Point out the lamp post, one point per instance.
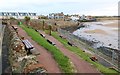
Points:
(43, 25)
(50, 28)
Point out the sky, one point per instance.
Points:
(44, 7)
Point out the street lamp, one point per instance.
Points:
(43, 25)
(50, 27)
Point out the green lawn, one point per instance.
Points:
(84, 55)
(60, 58)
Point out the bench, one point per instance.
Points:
(27, 44)
(93, 58)
(42, 35)
(36, 30)
(30, 47)
(51, 42)
(70, 44)
(61, 36)
(15, 27)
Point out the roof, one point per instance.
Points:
(32, 14)
(16, 14)
(57, 14)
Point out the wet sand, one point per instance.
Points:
(116, 30)
(96, 31)
(105, 32)
(112, 25)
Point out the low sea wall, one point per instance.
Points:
(108, 57)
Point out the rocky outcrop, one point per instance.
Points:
(19, 61)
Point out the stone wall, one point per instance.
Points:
(19, 61)
(0, 46)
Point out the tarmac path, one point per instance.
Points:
(45, 57)
(80, 65)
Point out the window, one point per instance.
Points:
(4, 14)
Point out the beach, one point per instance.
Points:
(104, 32)
(96, 31)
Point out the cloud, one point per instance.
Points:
(93, 7)
(107, 11)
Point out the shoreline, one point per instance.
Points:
(105, 33)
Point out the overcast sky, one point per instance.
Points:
(87, 7)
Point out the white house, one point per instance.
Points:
(56, 16)
(22, 15)
(82, 17)
(75, 17)
(0, 15)
(33, 15)
(17, 15)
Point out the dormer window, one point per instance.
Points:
(10, 14)
(0, 14)
(4, 14)
(32, 14)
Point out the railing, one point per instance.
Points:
(111, 57)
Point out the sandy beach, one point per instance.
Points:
(106, 32)
(103, 32)
(112, 25)
(96, 31)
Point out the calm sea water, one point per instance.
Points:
(108, 40)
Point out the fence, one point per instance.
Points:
(108, 57)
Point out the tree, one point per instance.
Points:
(12, 20)
(27, 20)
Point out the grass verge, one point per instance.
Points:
(84, 56)
(61, 59)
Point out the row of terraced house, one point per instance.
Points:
(17, 15)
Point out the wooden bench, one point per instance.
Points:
(51, 42)
(61, 36)
(93, 58)
(70, 44)
(15, 27)
(27, 44)
(42, 35)
(30, 47)
(36, 30)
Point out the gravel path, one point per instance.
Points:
(45, 57)
(81, 65)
